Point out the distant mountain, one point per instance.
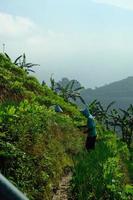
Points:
(121, 92)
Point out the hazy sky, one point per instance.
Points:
(87, 40)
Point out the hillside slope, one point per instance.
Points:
(36, 144)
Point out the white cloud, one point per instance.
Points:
(21, 34)
(125, 4)
(63, 53)
(15, 26)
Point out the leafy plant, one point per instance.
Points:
(20, 61)
(98, 174)
(69, 92)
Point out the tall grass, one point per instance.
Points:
(98, 174)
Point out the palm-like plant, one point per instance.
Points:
(120, 119)
(115, 119)
(20, 61)
(123, 120)
(53, 83)
(100, 112)
(69, 91)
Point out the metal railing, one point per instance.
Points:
(8, 191)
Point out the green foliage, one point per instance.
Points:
(36, 147)
(98, 174)
(20, 61)
(17, 85)
(100, 112)
(37, 144)
(122, 119)
(68, 91)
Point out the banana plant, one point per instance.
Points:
(124, 120)
(70, 92)
(53, 83)
(100, 112)
(118, 119)
(115, 119)
(20, 61)
(127, 125)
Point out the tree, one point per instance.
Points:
(124, 120)
(100, 112)
(20, 61)
(53, 83)
(69, 91)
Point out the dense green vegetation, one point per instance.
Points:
(102, 174)
(38, 145)
(118, 120)
(68, 90)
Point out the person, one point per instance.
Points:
(91, 130)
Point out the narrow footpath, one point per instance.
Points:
(62, 192)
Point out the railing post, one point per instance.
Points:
(8, 191)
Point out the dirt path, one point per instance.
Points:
(62, 192)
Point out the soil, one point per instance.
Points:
(63, 190)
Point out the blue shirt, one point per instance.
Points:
(91, 126)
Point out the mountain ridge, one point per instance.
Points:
(119, 91)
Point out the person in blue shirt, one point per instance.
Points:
(91, 130)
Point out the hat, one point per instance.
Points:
(58, 108)
(85, 112)
(91, 116)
